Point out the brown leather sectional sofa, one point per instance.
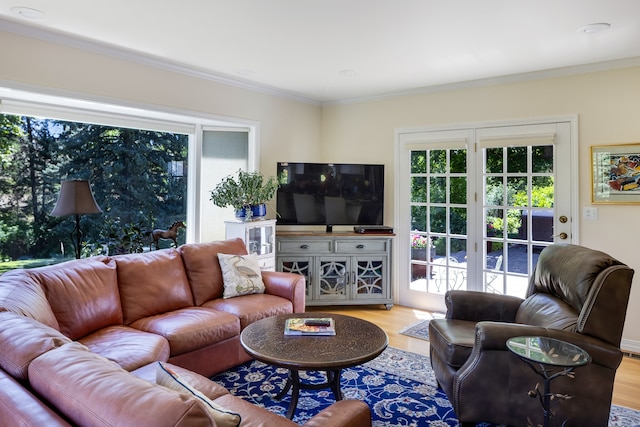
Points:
(80, 340)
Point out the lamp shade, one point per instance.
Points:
(75, 198)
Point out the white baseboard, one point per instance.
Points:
(629, 346)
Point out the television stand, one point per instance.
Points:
(340, 268)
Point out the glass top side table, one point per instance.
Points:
(550, 358)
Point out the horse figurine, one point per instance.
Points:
(171, 233)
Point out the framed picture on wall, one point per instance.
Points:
(615, 175)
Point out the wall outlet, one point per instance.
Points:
(590, 213)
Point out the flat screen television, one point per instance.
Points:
(330, 194)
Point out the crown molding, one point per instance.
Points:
(143, 59)
(167, 65)
(493, 81)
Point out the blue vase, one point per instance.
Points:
(257, 212)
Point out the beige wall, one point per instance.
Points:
(288, 128)
(607, 107)
(606, 103)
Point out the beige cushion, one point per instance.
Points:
(166, 377)
(241, 275)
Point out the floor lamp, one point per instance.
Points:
(76, 198)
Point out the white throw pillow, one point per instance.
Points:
(241, 275)
(168, 378)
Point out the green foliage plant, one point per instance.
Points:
(244, 189)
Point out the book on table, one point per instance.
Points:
(310, 326)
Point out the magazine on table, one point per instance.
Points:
(310, 326)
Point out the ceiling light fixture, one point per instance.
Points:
(245, 72)
(348, 72)
(28, 12)
(594, 28)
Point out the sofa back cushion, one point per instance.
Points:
(203, 268)
(21, 293)
(22, 339)
(93, 391)
(152, 283)
(83, 294)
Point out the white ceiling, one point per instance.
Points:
(330, 50)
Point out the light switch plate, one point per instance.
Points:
(590, 213)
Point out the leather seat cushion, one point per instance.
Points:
(204, 385)
(452, 339)
(128, 347)
(250, 308)
(191, 328)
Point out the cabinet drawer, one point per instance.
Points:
(362, 246)
(301, 247)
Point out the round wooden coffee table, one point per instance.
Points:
(356, 341)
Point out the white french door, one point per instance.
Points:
(477, 205)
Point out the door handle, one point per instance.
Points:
(562, 235)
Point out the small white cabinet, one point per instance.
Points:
(259, 238)
(340, 268)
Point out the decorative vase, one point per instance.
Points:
(252, 213)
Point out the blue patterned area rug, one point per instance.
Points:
(419, 330)
(398, 386)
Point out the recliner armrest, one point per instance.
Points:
(481, 306)
(494, 336)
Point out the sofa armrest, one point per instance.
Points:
(286, 285)
(480, 306)
(343, 413)
(18, 407)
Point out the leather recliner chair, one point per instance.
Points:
(575, 294)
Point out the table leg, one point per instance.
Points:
(285, 389)
(333, 378)
(293, 383)
(295, 392)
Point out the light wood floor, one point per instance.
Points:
(626, 390)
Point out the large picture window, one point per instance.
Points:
(138, 177)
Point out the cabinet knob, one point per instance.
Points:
(360, 247)
(304, 246)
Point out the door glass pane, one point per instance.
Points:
(437, 161)
(517, 159)
(418, 218)
(438, 219)
(542, 159)
(458, 191)
(494, 160)
(517, 191)
(418, 189)
(438, 189)
(418, 162)
(458, 221)
(542, 192)
(494, 191)
(458, 161)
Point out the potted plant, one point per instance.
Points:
(246, 192)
